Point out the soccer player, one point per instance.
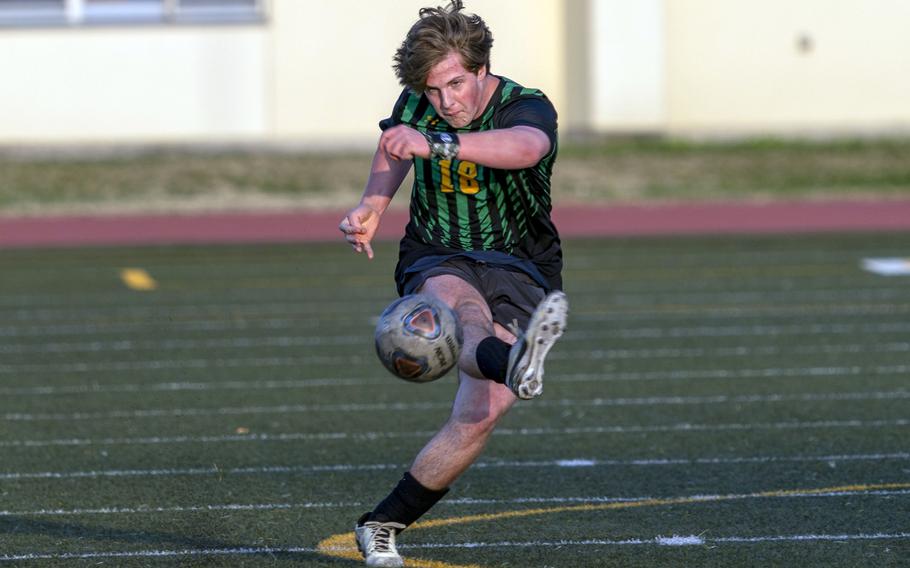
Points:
(479, 238)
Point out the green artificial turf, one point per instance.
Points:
(237, 415)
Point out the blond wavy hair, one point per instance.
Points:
(438, 32)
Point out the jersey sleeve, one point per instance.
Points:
(536, 112)
(397, 110)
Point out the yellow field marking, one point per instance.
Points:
(138, 279)
(343, 545)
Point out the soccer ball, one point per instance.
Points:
(418, 338)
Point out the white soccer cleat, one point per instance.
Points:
(376, 541)
(525, 371)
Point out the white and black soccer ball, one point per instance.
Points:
(418, 338)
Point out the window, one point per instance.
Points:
(121, 11)
(218, 10)
(32, 12)
(100, 12)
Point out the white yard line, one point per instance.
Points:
(176, 509)
(615, 312)
(200, 325)
(122, 414)
(758, 330)
(182, 344)
(297, 341)
(253, 307)
(171, 364)
(254, 385)
(372, 436)
(771, 372)
(353, 468)
(674, 540)
(188, 552)
(467, 501)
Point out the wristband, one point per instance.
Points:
(443, 145)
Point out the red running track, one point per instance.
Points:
(572, 221)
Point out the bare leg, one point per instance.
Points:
(473, 312)
(479, 403)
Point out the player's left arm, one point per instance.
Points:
(524, 133)
(512, 148)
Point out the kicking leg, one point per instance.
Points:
(479, 404)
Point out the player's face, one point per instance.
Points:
(455, 92)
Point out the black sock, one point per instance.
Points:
(492, 356)
(406, 503)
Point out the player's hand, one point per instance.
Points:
(404, 143)
(359, 226)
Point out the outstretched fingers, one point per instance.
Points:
(355, 233)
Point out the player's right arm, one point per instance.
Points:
(360, 224)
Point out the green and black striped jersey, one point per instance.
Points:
(459, 206)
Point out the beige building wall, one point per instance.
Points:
(318, 72)
(145, 83)
(315, 72)
(785, 66)
(626, 68)
(333, 79)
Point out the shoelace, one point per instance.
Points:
(519, 335)
(383, 537)
(514, 328)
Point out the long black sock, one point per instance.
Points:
(406, 503)
(492, 356)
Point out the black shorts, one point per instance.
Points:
(511, 295)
